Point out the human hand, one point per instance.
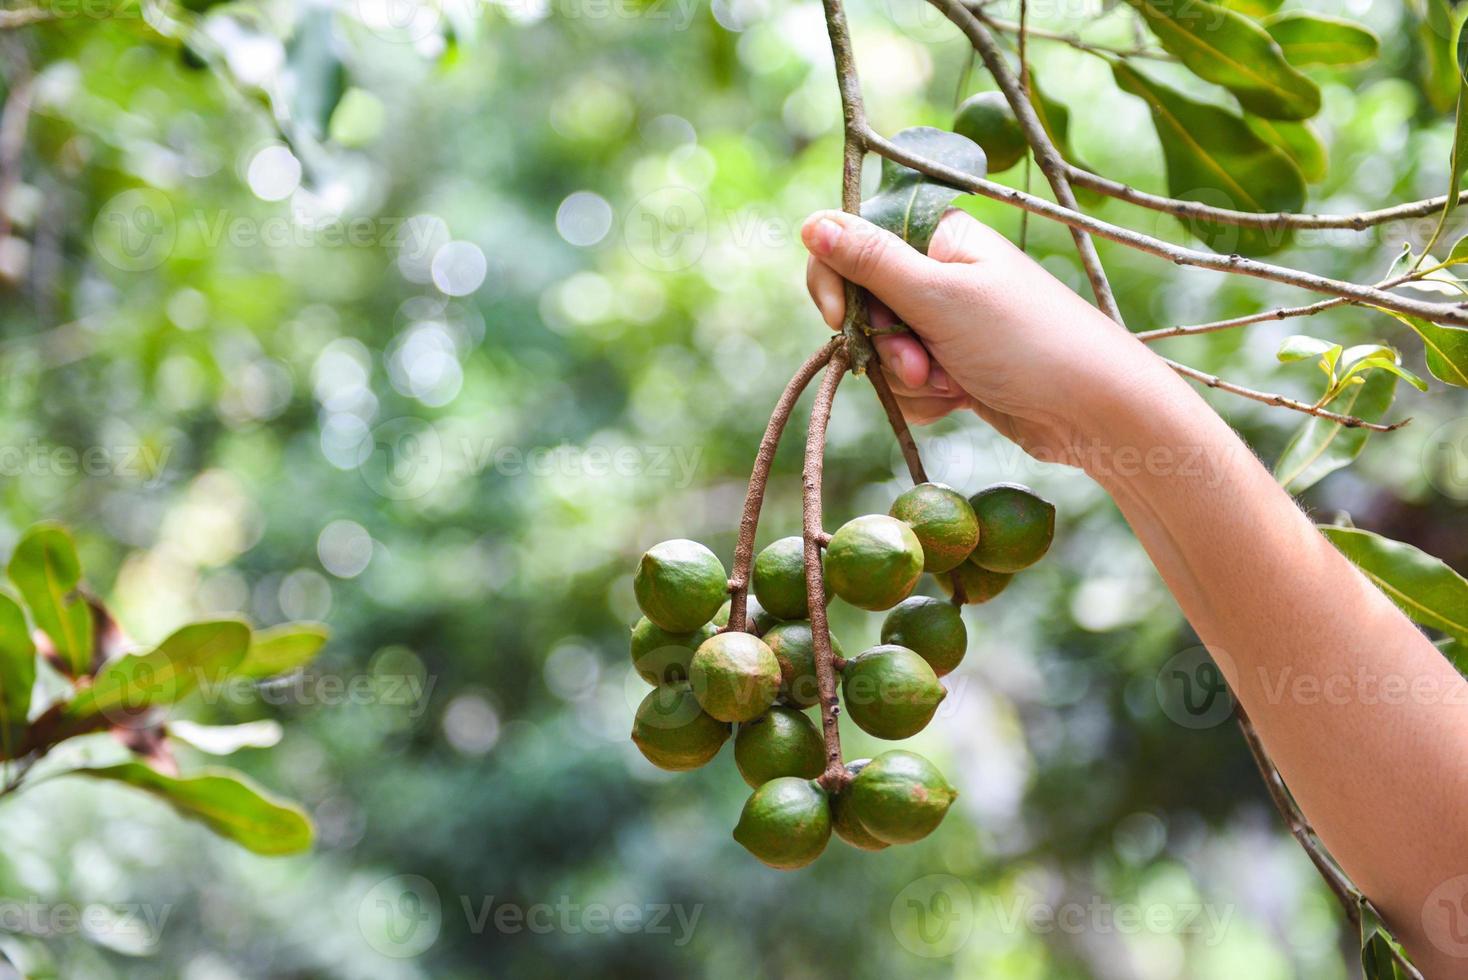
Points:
(991, 329)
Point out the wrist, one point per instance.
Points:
(1136, 420)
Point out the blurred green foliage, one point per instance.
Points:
(425, 322)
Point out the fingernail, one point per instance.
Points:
(939, 381)
(822, 236)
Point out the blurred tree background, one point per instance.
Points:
(425, 321)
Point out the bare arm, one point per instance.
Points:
(1366, 720)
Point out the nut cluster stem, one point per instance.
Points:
(820, 629)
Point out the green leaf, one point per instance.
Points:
(1320, 447)
(1315, 39)
(1435, 31)
(1299, 347)
(282, 649)
(224, 801)
(1364, 358)
(1459, 253)
(910, 204)
(1297, 140)
(1377, 945)
(1426, 589)
(46, 570)
(1253, 8)
(200, 652)
(227, 739)
(1228, 49)
(1213, 156)
(316, 77)
(17, 674)
(1446, 348)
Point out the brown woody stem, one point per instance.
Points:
(1049, 159)
(820, 629)
(1280, 401)
(909, 450)
(759, 478)
(1455, 314)
(854, 326)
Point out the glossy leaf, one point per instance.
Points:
(1297, 140)
(1320, 447)
(1377, 946)
(1446, 349)
(1364, 358)
(282, 649)
(224, 801)
(1315, 39)
(1214, 157)
(17, 674)
(1253, 8)
(1435, 29)
(1299, 347)
(1425, 588)
(910, 204)
(317, 78)
(1459, 252)
(198, 653)
(48, 573)
(227, 739)
(1228, 49)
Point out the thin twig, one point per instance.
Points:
(1455, 314)
(22, 16)
(1278, 313)
(1073, 40)
(1049, 159)
(1359, 221)
(820, 629)
(759, 478)
(910, 453)
(1346, 892)
(1280, 401)
(14, 118)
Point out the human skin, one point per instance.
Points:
(1365, 719)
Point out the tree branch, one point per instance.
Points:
(1051, 164)
(1359, 221)
(759, 478)
(1454, 314)
(854, 326)
(1278, 313)
(1280, 401)
(910, 453)
(21, 16)
(1346, 892)
(820, 629)
(14, 119)
(1073, 40)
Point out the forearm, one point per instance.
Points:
(1365, 719)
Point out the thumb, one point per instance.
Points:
(868, 256)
